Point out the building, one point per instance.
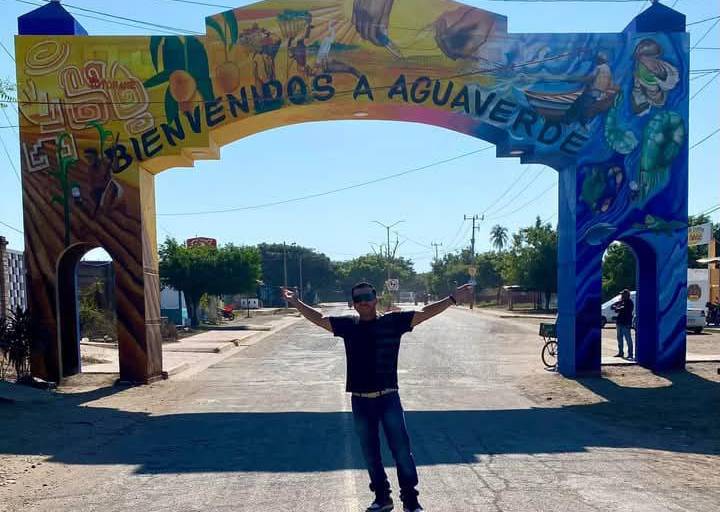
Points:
(12, 279)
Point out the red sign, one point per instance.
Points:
(200, 242)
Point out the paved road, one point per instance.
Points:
(269, 429)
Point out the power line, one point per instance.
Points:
(705, 34)
(706, 138)
(541, 194)
(115, 16)
(12, 164)
(527, 168)
(203, 3)
(2, 45)
(169, 32)
(702, 21)
(12, 227)
(333, 191)
(512, 200)
(705, 85)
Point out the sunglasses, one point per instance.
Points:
(364, 297)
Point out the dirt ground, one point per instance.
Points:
(686, 403)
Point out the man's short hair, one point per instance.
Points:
(363, 285)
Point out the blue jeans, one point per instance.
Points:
(624, 332)
(368, 414)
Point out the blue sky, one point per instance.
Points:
(310, 158)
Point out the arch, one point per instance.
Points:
(105, 114)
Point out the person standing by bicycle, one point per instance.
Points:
(372, 344)
(624, 308)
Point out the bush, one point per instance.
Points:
(17, 343)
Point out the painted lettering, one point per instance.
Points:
(173, 132)
(151, 142)
(322, 85)
(363, 87)
(502, 111)
(399, 87)
(423, 82)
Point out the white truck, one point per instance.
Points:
(698, 296)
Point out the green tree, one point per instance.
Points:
(319, 274)
(531, 259)
(372, 268)
(619, 270)
(499, 237)
(215, 271)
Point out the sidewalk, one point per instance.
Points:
(191, 354)
(504, 313)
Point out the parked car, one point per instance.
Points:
(695, 317)
(696, 320)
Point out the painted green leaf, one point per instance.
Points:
(158, 79)
(231, 21)
(199, 68)
(173, 53)
(213, 24)
(155, 49)
(171, 106)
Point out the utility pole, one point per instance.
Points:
(436, 245)
(285, 269)
(387, 264)
(474, 219)
(301, 283)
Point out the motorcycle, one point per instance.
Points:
(227, 313)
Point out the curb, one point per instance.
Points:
(231, 350)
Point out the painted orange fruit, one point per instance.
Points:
(182, 86)
(227, 77)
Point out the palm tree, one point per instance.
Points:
(499, 237)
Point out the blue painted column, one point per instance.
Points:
(580, 290)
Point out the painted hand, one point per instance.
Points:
(461, 33)
(371, 18)
(464, 293)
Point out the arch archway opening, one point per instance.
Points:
(88, 334)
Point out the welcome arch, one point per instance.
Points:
(100, 116)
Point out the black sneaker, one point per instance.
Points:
(381, 505)
(415, 507)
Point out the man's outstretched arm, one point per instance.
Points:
(310, 313)
(461, 294)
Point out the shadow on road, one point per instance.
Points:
(658, 418)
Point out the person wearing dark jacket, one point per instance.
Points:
(624, 309)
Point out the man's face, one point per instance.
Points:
(364, 300)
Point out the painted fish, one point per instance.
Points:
(599, 233)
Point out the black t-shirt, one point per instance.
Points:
(371, 349)
(625, 312)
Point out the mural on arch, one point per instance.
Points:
(608, 111)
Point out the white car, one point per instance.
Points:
(695, 317)
(696, 320)
(608, 315)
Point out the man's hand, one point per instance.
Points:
(371, 18)
(311, 314)
(464, 293)
(461, 33)
(290, 297)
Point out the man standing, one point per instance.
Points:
(624, 321)
(372, 344)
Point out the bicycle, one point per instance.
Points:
(549, 353)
